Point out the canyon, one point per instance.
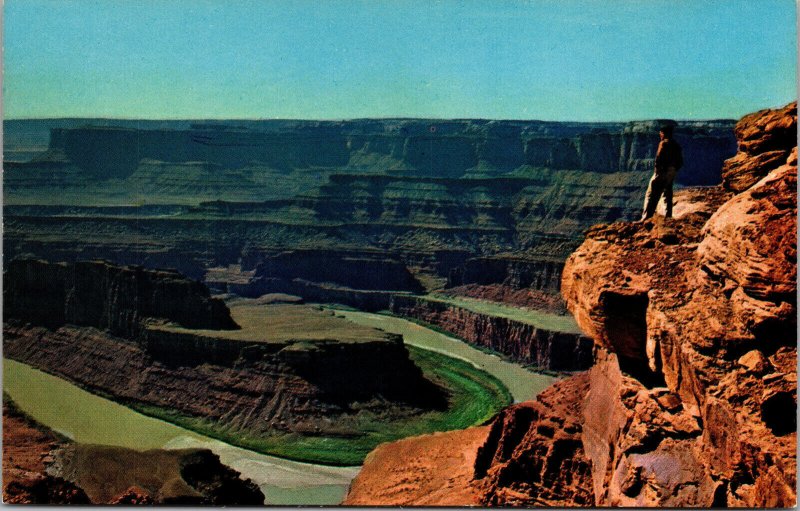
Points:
(449, 200)
(485, 230)
(351, 212)
(691, 400)
(157, 341)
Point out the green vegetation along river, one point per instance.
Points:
(523, 384)
(88, 418)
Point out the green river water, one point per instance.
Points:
(523, 384)
(88, 418)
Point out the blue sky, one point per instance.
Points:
(537, 59)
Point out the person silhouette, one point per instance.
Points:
(669, 160)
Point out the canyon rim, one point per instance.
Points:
(393, 254)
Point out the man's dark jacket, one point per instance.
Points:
(669, 154)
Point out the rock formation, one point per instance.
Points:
(110, 329)
(520, 341)
(514, 196)
(119, 299)
(117, 475)
(41, 467)
(692, 398)
(27, 448)
(450, 148)
(696, 320)
(534, 273)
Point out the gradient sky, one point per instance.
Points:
(537, 59)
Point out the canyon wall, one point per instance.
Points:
(256, 388)
(110, 329)
(196, 195)
(105, 296)
(410, 146)
(697, 318)
(520, 341)
(345, 270)
(538, 274)
(692, 398)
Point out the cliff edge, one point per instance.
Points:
(692, 399)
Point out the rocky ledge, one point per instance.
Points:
(692, 398)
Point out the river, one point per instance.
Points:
(87, 418)
(523, 384)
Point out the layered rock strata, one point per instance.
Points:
(692, 398)
(700, 316)
(519, 340)
(451, 148)
(515, 273)
(297, 386)
(110, 297)
(508, 194)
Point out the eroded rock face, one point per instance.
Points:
(689, 316)
(95, 293)
(426, 470)
(27, 449)
(692, 398)
(533, 454)
(257, 388)
(91, 323)
(765, 140)
(117, 475)
(523, 342)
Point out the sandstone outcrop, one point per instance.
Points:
(41, 467)
(428, 470)
(765, 140)
(533, 454)
(27, 449)
(134, 334)
(689, 314)
(117, 475)
(119, 299)
(519, 340)
(692, 398)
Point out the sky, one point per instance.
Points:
(581, 60)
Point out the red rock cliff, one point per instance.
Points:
(692, 399)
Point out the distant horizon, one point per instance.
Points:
(381, 118)
(548, 60)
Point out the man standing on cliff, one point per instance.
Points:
(669, 160)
